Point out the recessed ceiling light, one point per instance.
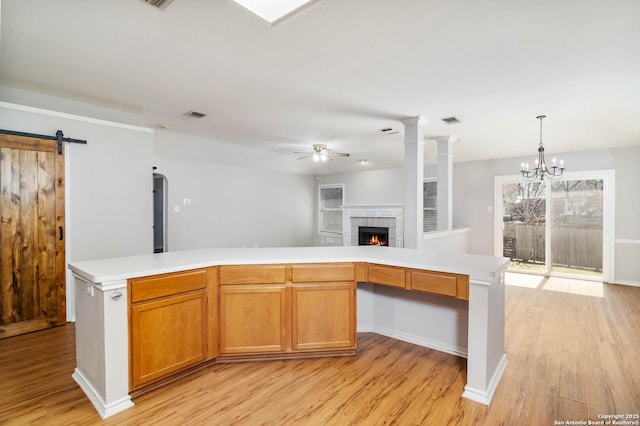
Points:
(194, 114)
(275, 11)
(160, 4)
(388, 131)
(164, 126)
(451, 120)
(363, 162)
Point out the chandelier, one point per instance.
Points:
(541, 170)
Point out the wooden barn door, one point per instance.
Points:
(32, 248)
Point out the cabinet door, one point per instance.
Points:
(323, 315)
(252, 318)
(167, 335)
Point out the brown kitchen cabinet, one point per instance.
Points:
(323, 307)
(168, 324)
(285, 309)
(252, 319)
(253, 309)
(323, 316)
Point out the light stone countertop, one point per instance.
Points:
(478, 267)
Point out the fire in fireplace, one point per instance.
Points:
(373, 236)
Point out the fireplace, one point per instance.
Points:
(373, 236)
(390, 217)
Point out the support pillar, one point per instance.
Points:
(414, 180)
(445, 184)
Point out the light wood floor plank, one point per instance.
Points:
(571, 357)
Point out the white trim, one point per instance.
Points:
(626, 282)
(435, 234)
(626, 241)
(75, 117)
(320, 188)
(70, 289)
(485, 397)
(104, 410)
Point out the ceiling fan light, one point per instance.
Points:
(316, 157)
(323, 157)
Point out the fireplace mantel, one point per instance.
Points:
(387, 215)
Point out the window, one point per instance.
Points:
(557, 227)
(430, 199)
(330, 208)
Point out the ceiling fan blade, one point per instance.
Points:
(339, 154)
(304, 156)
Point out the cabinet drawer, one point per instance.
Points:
(252, 274)
(387, 275)
(322, 273)
(428, 282)
(152, 287)
(438, 283)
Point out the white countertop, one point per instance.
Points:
(482, 268)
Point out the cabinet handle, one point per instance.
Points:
(116, 296)
(61, 232)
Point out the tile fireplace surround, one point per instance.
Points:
(384, 216)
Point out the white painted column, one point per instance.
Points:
(445, 184)
(102, 344)
(414, 178)
(486, 357)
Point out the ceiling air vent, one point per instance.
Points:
(194, 114)
(160, 4)
(451, 120)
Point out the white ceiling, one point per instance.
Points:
(339, 71)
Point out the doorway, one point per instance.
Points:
(559, 227)
(32, 235)
(159, 213)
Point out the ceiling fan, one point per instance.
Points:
(321, 153)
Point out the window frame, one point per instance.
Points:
(321, 209)
(433, 209)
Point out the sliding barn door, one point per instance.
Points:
(32, 270)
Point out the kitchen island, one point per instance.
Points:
(311, 311)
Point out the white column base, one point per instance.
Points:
(103, 409)
(485, 396)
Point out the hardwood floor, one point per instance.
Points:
(571, 357)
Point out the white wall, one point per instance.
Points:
(370, 187)
(108, 183)
(233, 206)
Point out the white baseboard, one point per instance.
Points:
(416, 340)
(104, 410)
(485, 397)
(625, 282)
